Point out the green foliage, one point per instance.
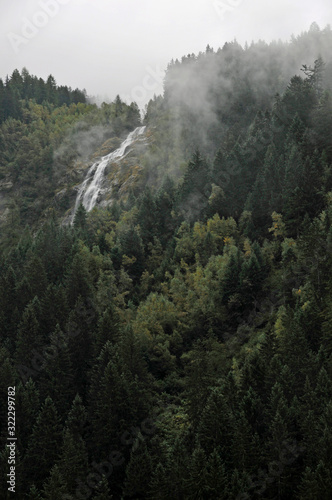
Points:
(46, 435)
(180, 337)
(138, 470)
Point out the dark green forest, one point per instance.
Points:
(176, 343)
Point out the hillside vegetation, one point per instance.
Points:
(176, 344)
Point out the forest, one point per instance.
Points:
(175, 344)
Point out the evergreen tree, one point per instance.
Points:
(77, 418)
(33, 494)
(103, 491)
(138, 471)
(73, 460)
(29, 341)
(132, 246)
(196, 483)
(79, 330)
(215, 476)
(36, 276)
(194, 192)
(54, 309)
(216, 424)
(309, 487)
(178, 469)
(28, 405)
(44, 444)
(58, 373)
(80, 222)
(78, 281)
(108, 328)
(159, 484)
(147, 217)
(55, 487)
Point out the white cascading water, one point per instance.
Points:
(90, 187)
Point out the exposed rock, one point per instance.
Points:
(120, 175)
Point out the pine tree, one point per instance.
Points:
(36, 276)
(146, 216)
(138, 471)
(231, 282)
(108, 328)
(103, 491)
(279, 434)
(54, 487)
(196, 483)
(308, 488)
(78, 281)
(164, 200)
(250, 279)
(132, 246)
(324, 476)
(79, 331)
(159, 484)
(323, 389)
(58, 373)
(315, 75)
(73, 460)
(310, 430)
(215, 477)
(77, 418)
(8, 298)
(80, 222)
(178, 468)
(119, 403)
(216, 424)
(29, 341)
(33, 494)
(193, 194)
(325, 435)
(236, 485)
(244, 444)
(44, 444)
(252, 406)
(28, 405)
(54, 309)
(277, 402)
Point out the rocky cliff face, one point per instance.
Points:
(69, 171)
(120, 176)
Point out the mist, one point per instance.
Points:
(111, 48)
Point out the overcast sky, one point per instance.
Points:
(122, 47)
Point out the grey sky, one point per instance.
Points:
(122, 47)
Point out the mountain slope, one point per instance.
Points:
(175, 343)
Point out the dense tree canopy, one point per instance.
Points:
(176, 343)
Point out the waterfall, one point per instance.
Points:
(91, 186)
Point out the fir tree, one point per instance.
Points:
(73, 460)
(54, 487)
(44, 444)
(103, 491)
(159, 484)
(138, 471)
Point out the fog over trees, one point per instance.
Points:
(174, 342)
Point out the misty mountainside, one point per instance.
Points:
(172, 339)
(213, 102)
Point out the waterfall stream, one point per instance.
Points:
(91, 186)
